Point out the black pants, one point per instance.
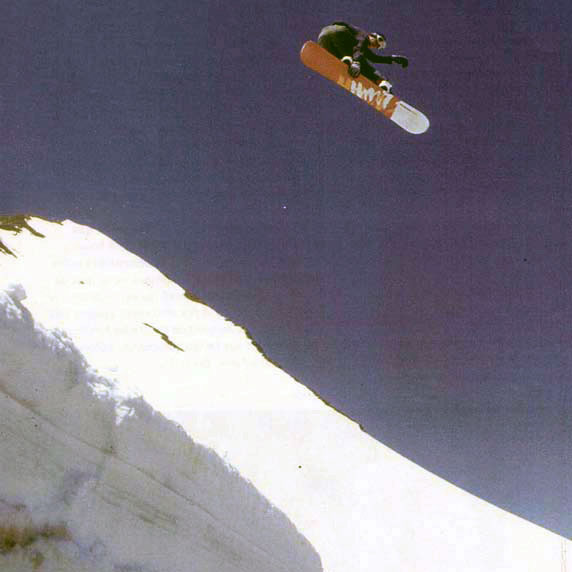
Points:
(340, 42)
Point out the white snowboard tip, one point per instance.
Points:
(410, 119)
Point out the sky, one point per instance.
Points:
(417, 283)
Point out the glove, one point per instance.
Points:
(401, 60)
(354, 67)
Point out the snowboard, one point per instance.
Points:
(406, 116)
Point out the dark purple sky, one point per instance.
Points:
(418, 283)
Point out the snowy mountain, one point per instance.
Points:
(101, 356)
(92, 478)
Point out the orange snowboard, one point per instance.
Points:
(407, 117)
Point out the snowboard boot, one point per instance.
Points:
(385, 86)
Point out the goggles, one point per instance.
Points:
(379, 38)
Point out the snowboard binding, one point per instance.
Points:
(386, 86)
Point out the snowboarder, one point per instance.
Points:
(354, 47)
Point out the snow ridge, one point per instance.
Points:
(94, 479)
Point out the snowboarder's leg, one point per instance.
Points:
(372, 74)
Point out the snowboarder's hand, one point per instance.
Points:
(354, 69)
(401, 60)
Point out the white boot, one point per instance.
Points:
(385, 86)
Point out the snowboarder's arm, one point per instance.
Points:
(379, 59)
(401, 60)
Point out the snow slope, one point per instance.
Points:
(93, 479)
(362, 506)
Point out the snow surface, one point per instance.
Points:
(93, 479)
(150, 348)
